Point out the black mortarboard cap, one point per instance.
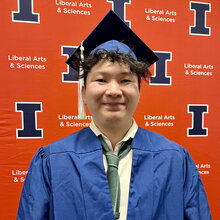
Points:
(113, 28)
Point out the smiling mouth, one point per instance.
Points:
(113, 105)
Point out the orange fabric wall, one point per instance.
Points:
(39, 95)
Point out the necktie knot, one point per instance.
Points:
(112, 160)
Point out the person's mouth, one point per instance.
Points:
(114, 105)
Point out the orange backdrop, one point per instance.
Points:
(39, 95)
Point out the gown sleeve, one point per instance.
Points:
(195, 200)
(35, 197)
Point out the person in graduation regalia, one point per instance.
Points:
(112, 169)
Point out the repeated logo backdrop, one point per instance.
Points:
(38, 90)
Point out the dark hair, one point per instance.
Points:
(137, 67)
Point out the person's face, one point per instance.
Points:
(111, 93)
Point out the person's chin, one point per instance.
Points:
(113, 116)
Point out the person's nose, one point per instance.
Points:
(114, 89)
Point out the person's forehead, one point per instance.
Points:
(111, 69)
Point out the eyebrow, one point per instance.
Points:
(121, 73)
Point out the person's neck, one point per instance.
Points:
(114, 132)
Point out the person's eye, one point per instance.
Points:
(100, 80)
(125, 80)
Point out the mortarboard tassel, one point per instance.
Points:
(81, 109)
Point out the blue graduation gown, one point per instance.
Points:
(67, 180)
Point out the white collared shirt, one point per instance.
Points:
(124, 168)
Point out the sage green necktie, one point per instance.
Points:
(112, 173)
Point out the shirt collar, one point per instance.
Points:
(130, 134)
